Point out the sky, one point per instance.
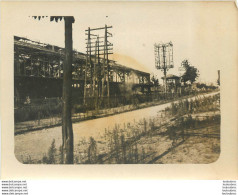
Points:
(204, 33)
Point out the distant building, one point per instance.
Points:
(38, 73)
(173, 83)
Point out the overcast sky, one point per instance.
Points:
(204, 33)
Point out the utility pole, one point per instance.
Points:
(86, 67)
(96, 62)
(165, 69)
(99, 77)
(164, 60)
(108, 69)
(94, 67)
(104, 73)
(67, 130)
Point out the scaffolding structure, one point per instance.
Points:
(38, 73)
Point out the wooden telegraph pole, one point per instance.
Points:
(67, 130)
(105, 74)
(108, 69)
(86, 67)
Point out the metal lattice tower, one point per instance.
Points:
(164, 59)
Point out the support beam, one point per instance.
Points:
(101, 28)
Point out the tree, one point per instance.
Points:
(201, 86)
(51, 153)
(155, 82)
(191, 73)
(92, 151)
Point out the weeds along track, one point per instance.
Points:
(45, 118)
(160, 139)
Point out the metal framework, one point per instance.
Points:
(164, 59)
(36, 63)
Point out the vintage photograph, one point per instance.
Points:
(119, 83)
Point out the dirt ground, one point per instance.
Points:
(193, 150)
(152, 146)
(199, 146)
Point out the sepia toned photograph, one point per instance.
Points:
(119, 90)
(123, 85)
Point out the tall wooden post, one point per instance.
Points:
(104, 63)
(67, 130)
(86, 67)
(108, 70)
(99, 73)
(95, 95)
(165, 71)
(94, 70)
(104, 70)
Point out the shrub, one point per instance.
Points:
(35, 111)
(50, 159)
(52, 153)
(92, 151)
